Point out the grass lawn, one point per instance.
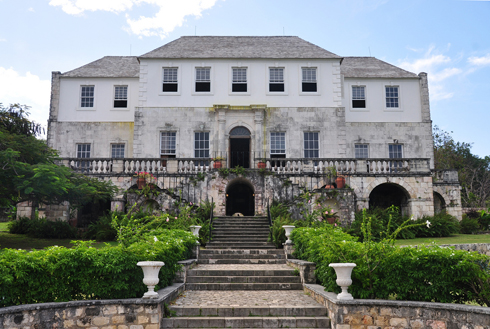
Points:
(21, 241)
(455, 239)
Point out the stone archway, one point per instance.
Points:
(240, 197)
(439, 203)
(389, 194)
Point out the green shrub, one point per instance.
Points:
(484, 220)
(277, 231)
(58, 274)
(469, 225)
(42, 229)
(19, 226)
(102, 229)
(441, 225)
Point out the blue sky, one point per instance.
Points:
(448, 39)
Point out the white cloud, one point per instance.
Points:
(480, 61)
(3, 40)
(169, 15)
(31, 9)
(27, 90)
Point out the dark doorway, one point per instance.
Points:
(240, 198)
(240, 147)
(386, 195)
(439, 203)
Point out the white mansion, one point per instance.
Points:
(175, 109)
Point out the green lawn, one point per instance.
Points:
(21, 241)
(455, 239)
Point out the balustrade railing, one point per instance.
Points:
(320, 166)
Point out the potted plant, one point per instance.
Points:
(261, 164)
(217, 162)
(331, 173)
(340, 181)
(144, 178)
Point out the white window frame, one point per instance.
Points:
(199, 148)
(280, 134)
(196, 80)
(166, 133)
(274, 80)
(121, 99)
(179, 79)
(239, 93)
(123, 150)
(308, 149)
(352, 99)
(87, 108)
(300, 81)
(365, 147)
(394, 109)
(395, 152)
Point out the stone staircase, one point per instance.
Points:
(240, 233)
(241, 282)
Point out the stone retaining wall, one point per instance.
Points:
(482, 248)
(134, 313)
(388, 314)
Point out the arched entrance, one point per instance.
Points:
(439, 203)
(240, 198)
(240, 147)
(386, 195)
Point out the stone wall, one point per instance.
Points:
(94, 314)
(388, 314)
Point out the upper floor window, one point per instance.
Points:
(120, 96)
(167, 144)
(239, 80)
(83, 151)
(392, 94)
(87, 96)
(309, 83)
(170, 81)
(203, 79)
(117, 150)
(201, 145)
(311, 145)
(395, 151)
(276, 79)
(361, 151)
(358, 97)
(278, 145)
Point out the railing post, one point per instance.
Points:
(117, 166)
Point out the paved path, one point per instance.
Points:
(238, 267)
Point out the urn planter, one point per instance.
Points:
(150, 279)
(195, 231)
(261, 165)
(141, 182)
(217, 164)
(289, 229)
(343, 271)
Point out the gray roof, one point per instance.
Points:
(108, 67)
(370, 67)
(239, 47)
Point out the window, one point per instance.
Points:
(358, 97)
(361, 151)
(239, 80)
(276, 79)
(167, 144)
(117, 150)
(170, 83)
(87, 96)
(311, 145)
(201, 145)
(120, 96)
(391, 96)
(278, 145)
(395, 151)
(203, 79)
(309, 79)
(83, 151)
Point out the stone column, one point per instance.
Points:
(118, 203)
(260, 146)
(53, 108)
(221, 115)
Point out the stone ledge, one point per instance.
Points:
(306, 269)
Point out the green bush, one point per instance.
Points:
(58, 274)
(469, 225)
(42, 229)
(102, 229)
(441, 225)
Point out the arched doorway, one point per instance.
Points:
(386, 195)
(240, 147)
(240, 198)
(439, 203)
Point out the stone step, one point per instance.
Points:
(244, 286)
(241, 252)
(240, 227)
(242, 256)
(240, 239)
(240, 272)
(239, 217)
(247, 322)
(241, 246)
(244, 311)
(243, 279)
(241, 261)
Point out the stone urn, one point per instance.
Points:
(150, 279)
(288, 229)
(195, 230)
(343, 271)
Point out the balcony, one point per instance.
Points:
(286, 166)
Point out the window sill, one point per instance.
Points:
(393, 109)
(303, 93)
(169, 94)
(202, 93)
(120, 109)
(86, 109)
(359, 109)
(277, 93)
(239, 93)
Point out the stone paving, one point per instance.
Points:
(245, 267)
(244, 298)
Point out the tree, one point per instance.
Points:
(28, 169)
(473, 171)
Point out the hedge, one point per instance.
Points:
(426, 273)
(58, 274)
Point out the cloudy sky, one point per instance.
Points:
(448, 39)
